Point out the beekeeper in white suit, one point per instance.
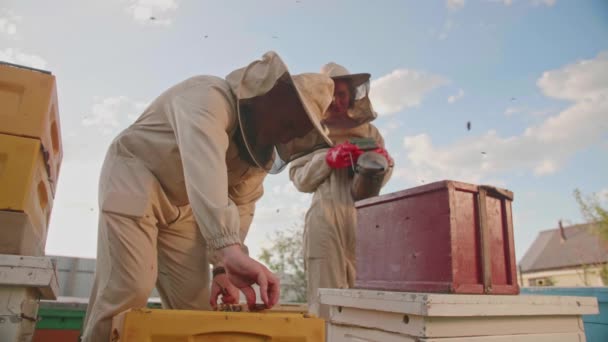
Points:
(183, 180)
(329, 231)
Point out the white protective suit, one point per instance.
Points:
(174, 186)
(329, 232)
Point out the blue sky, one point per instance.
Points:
(530, 75)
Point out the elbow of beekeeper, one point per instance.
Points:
(178, 188)
(332, 175)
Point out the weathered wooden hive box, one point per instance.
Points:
(446, 237)
(379, 316)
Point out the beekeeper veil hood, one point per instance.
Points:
(261, 81)
(360, 111)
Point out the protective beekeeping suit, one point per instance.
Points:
(329, 235)
(183, 180)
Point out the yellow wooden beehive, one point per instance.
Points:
(25, 196)
(28, 108)
(153, 325)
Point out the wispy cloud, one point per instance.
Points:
(548, 3)
(387, 129)
(8, 22)
(456, 97)
(511, 111)
(111, 114)
(541, 148)
(603, 194)
(504, 2)
(16, 56)
(402, 89)
(447, 27)
(455, 4)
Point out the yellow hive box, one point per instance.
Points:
(24, 188)
(208, 326)
(28, 108)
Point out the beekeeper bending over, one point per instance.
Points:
(329, 232)
(183, 180)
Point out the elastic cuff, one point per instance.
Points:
(224, 241)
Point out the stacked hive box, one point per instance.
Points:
(431, 264)
(380, 316)
(24, 280)
(30, 157)
(184, 325)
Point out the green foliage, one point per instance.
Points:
(593, 212)
(604, 274)
(285, 258)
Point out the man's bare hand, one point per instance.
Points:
(243, 271)
(221, 285)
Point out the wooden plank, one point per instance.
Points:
(436, 186)
(420, 326)
(339, 333)
(18, 310)
(466, 248)
(25, 261)
(36, 272)
(511, 242)
(556, 337)
(498, 326)
(484, 237)
(449, 305)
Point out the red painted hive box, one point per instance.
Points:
(446, 237)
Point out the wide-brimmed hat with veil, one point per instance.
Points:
(361, 111)
(255, 82)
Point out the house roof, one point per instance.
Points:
(582, 246)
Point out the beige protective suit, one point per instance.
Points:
(174, 187)
(329, 233)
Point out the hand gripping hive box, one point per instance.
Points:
(29, 108)
(443, 237)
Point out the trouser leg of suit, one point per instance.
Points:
(183, 266)
(333, 271)
(125, 272)
(132, 245)
(128, 279)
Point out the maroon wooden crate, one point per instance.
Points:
(446, 237)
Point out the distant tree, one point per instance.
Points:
(604, 275)
(285, 257)
(596, 214)
(593, 212)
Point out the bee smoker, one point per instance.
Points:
(369, 171)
